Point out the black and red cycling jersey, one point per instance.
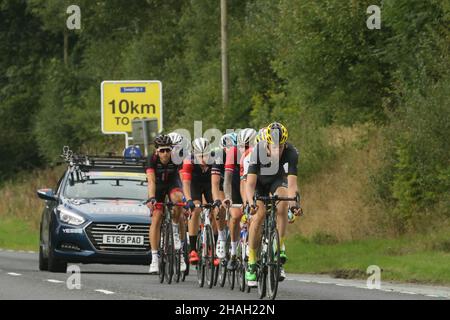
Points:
(167, 177)
(164, 173)
(230, 164)
(200, 177)
(196, 172)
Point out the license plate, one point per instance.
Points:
(123, 239)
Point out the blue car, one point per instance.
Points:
(96, 214)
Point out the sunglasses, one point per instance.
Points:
(164, 150)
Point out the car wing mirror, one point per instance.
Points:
(47, 194)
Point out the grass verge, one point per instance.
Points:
(18, 235)
(416, 258)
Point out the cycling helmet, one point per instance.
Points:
(228, 140)
(246, 137)
(261, 136)
(276, 133)
(163, 140)
(177, 139)
(201, 146)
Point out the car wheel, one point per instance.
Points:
(43, 262)
(54, 264)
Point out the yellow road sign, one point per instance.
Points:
(125, 101)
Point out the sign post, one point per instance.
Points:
(144, 130)
(123, 102)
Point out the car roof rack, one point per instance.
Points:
(87, 163)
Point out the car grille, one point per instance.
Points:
(95, 232)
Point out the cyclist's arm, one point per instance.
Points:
(292, 174)
(292, 186)
(227, 189)
(186, 178)
(230, 165)
(243, 192)
(151, 178)
(250, 187)
(252, 176)
(215, 186)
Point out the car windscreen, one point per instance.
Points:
(105, 185)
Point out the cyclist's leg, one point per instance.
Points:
(255, 231)
(194, 224)
(279, 187)
(236, 215)
(219, 224)
(235, 229)
(155, 228)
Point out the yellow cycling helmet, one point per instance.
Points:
(261, 136)
(276, 133)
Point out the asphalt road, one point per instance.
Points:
(21, 279)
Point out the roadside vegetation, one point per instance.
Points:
(369, 110)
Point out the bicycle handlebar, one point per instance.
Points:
(168, 203)
(277, 198)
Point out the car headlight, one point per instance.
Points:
(70, 217)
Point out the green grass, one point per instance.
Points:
(18, 235)
(418, 259)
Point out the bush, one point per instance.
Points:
(416, 175)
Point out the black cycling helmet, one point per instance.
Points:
(163, 140)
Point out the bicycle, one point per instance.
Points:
(169, 257)
(205, 247)
(186, 253)
(223, 271)
(268, 265)
(242, 252)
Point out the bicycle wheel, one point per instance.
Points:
(273, 264)
(262, 268)
(209, 257)
(162, 253)
(223, 263)
(170, 253)
(186, 260)
(201, 262)
(177, 265)
(240, 274)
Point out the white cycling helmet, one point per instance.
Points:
(201, 146)
(176, 138)
(246, 137)
(179, 141)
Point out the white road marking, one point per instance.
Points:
(54, 281)
(343, 285)
(104, 291)
(14, 274)
(360, 286)
(31, 251)
(9, 250)
(408, 292)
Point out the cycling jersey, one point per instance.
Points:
(245, 163)
(271, 175)
(167, 177)
(231, 165)
(200, 177)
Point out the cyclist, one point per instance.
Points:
(163, 180)
(196, 177)
(245, 142)
(272, 170)
(224, 174)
